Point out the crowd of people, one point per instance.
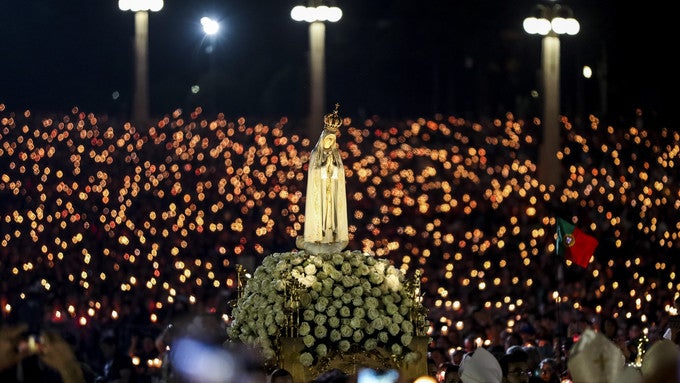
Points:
(109, 227)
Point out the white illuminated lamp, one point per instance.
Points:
(141, 8)
(536, 26)
(140, 5)
(316, 16)
(313, 14)
(587, 71)
(562, 26)
(210, 26)
(549, 22)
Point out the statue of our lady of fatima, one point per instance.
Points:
(325, 227)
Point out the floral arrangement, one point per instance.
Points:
(336, 303)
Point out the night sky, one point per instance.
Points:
(403, 58)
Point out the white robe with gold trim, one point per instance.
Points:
(326, 199)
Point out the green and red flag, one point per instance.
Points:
(574, 244)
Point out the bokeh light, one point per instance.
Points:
(94, 213)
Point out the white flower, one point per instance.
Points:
(338, 291)
(320, 319)
(316, 261)
(328, 268)
(380, 267)
(376, 279)
(281, 266)
(406, 339)
(306, 359)
(346, 331)
(405, 307)
(279, 285)
(357, 336)
(344, 345)
(371, 303)
(334, 322)
(310, 269)
(308, 340)
(348, 281)
(392, 281)
(304, 329)
(320, 332)
(321, 304)
(369, 328)
(308, 280)
(321, 350)
(308, 315)
(396, 349)
(370, 344)
(363, 270)
(356, 323)
(369, 260)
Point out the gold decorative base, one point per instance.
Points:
(351, 363)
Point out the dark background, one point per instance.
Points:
(403, 58)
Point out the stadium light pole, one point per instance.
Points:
(316, 14)
(551, 22)
(211, 27)
(141, 8)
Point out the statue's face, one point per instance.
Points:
(329, 141)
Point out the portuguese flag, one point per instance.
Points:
(574, 244)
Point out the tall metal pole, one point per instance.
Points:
(550, 169)
(141, 93)
(316, 15)
(551, 24)
(140, 96)
(211, 28)
(317, 94)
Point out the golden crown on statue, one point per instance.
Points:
(332, 121)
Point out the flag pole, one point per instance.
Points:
(559, 280)
(562, 331)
